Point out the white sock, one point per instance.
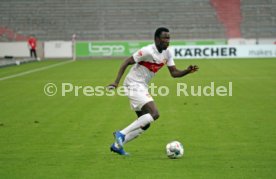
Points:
(116, 145)
(132, 135)
(140, 122)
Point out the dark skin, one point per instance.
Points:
(162, 43)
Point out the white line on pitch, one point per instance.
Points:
(34, 70)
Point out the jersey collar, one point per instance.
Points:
(155, 48)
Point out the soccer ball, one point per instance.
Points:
(174, 150)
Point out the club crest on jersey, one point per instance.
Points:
(140, 53)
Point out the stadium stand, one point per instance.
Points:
(137, 19)
(259, 18)
(228, 13)
(110, 20)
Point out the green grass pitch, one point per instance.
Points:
(69, 136)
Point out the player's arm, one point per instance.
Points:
(125, 64)
(175, 73)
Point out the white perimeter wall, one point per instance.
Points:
(63, 49)
(58, 49)
(224, 51)
(15, 49)
(240, 41)
(52, 49)
(267, 41)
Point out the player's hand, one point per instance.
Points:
(112, 86)
(192, 68)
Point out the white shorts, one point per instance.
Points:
(138, 97)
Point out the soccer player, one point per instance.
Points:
(146, 62)
(32, 46)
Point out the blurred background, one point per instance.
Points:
(192, 22)
(137, 19)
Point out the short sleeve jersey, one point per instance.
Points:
(148, 61)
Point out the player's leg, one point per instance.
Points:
(139, 100)
(35, 55)
(151, 108)
(134, 134)
(150, 113)
(119, 150)
(31, 53)
(142, 121)
(139, 114)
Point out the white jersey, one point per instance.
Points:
(148, 62)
